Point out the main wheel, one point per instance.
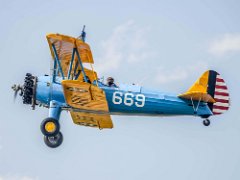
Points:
(50, 127)
(54, 141)
(206, 122)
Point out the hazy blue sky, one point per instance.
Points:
(165, 45)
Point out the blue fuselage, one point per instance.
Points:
(127, 100)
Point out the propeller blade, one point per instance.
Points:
(16, 88)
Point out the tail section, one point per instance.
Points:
(217, 88)
(212, 89)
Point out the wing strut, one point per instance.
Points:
(195, 108)
(58, 61)
(94, 74)
(71, 63)
(80, 63)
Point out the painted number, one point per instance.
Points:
(117, 97)
(128, 99)
(140, 100)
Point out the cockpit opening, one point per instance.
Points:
(110, 82)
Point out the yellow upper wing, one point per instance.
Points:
(92, 75)
(64, 46)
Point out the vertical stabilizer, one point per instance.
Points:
(217, 88)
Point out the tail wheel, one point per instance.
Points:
(54, 141)
(206, 122)
(50, 127)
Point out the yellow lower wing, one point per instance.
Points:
(100, 121)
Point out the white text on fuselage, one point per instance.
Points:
(128, 99)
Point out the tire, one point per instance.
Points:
(206, 122)
(52, 125)
(53, 141)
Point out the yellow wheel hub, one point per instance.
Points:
(50, 127)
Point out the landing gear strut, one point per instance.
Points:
(206, 122)
(50, 126)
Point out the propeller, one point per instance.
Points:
(16, 88)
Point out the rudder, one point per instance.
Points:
(217, 88)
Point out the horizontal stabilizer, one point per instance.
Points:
(198, 91)
(198, 96)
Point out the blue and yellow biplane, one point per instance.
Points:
(91, 102)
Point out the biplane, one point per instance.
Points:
(73, 87)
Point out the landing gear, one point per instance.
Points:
(54, 141)
(50, 127)
(206, 122)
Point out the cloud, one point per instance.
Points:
(228, 43)
(15, 177)
(170, 75)
(0, 144)
(126, 44)
(128, 49)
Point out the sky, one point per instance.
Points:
(163, 45)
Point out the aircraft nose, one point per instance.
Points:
(29, 90)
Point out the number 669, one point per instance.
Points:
(128, 99)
